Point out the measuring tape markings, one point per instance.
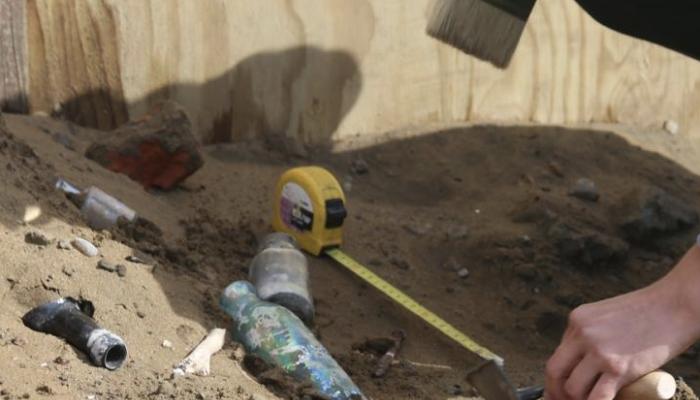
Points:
(411, 305)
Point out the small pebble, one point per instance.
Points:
(166, 388)
(121, 270)
(585, 189)
(140, 314)
(63, 245)
(671, 126)
(60, 361)
(457, 232)
(18, 342)
(463, 273)
(106, 265)
(359, 167)
(167, 344)
(36, 238)
(88, 249)
(68, 271)
(31, 213)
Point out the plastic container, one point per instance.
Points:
(280, 338)
(100, 210)
(280, 274)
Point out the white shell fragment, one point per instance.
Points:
(88, 249)
(198, 361)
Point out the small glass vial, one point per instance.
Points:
(100, 210)
(280, 274)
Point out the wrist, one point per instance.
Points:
(681, 288)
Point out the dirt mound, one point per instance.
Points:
(478, 224)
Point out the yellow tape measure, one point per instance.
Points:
(310, 206)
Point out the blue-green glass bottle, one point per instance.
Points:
(279, 337)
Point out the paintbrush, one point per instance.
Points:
(487, 29)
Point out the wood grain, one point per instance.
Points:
(13, 75)
(318, 71)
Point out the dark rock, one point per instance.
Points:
(159, 150)
(106, 265)
(585, 189)
(37, 238)
(359, 167)
(121, 270)
(652, 214)
(587, 248)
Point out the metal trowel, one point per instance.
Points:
(491, 382)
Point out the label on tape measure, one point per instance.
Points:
(296, 209)
(411, 305)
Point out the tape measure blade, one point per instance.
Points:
(410, 304)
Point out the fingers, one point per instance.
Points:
(560, 366)
(582, 378)
(606, 388)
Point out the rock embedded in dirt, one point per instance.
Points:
(63, 245)
(85, 247)
(457, 232)
(585, 189)
(106, 266)
(586, 247)
(652, 214)
(37, 238)
(463, 273)
(121, 270)
(671, 126)
(359, 167)
(158, 151)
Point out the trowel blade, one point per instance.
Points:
(491, 382)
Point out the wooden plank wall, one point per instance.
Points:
(319, 70)
(13, 74)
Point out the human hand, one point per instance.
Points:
(613, 342)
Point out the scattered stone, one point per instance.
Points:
(671, 126)
(18, 341)
(452, 264)
(457, 232)
(44, 390)
(31, 213)
(585, 189)
(167, 344)
(652, 213)
(463, 273)
(418, 229)
(106, 266)
(68, 270)
(166, 388)
(587, 248)
(63, 245)
(37, 238)
(533, 212)
(159, 150)
(140, 257)
(86, 248)
(140, 314)
(455, 390)
(359, 167)
(60, 361)
(121, 270)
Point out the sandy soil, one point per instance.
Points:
(488, 199)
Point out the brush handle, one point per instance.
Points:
(657, 385)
